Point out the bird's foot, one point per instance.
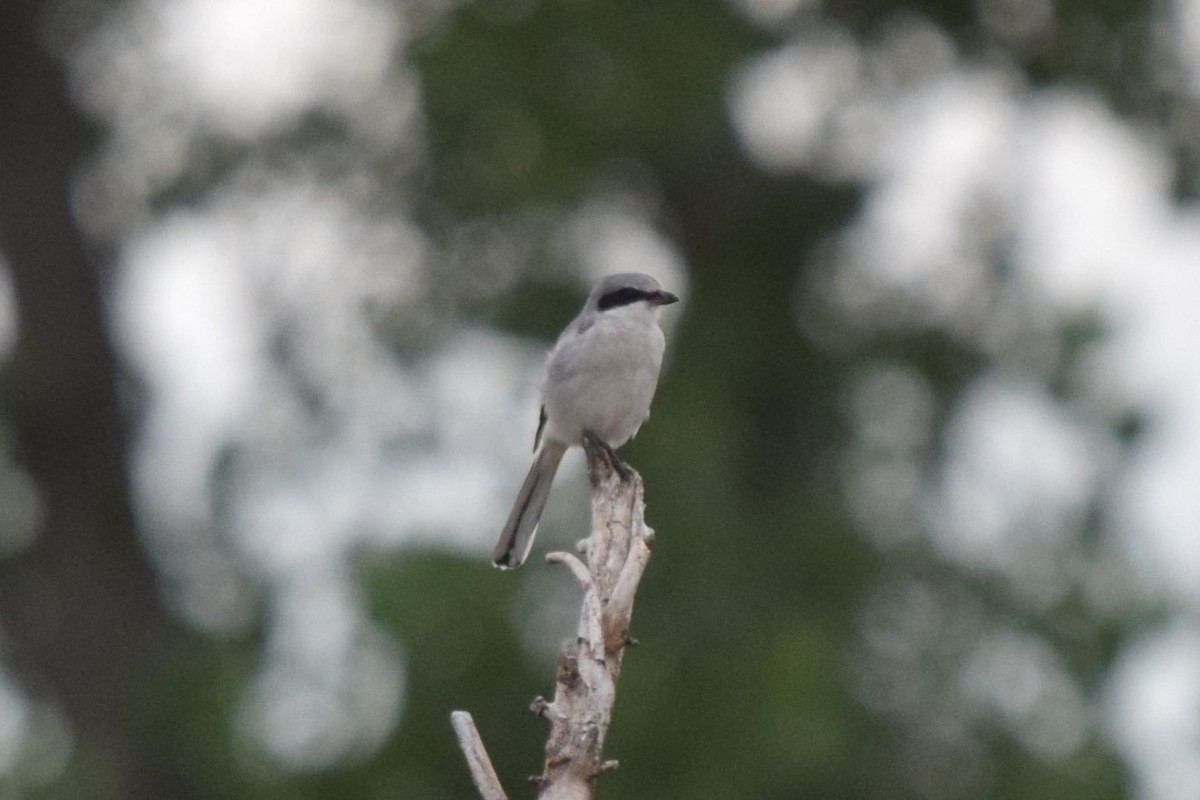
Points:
(623, 470)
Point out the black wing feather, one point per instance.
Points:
(537, 437)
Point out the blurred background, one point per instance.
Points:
(276, 281)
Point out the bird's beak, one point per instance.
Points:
(661, 298)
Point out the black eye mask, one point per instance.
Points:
(622, 297)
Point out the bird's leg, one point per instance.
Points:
(620, 467)
(623, 469)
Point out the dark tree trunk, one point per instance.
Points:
(79, 606)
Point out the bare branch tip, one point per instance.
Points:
(545, 709)
(577, 567)
(478, 762)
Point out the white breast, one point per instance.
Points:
(603, 378)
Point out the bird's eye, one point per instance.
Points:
(620, 297)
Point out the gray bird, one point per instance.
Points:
(599, 381)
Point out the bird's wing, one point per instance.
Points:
(537, 437)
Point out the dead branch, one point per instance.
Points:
(617, 552)
(478, 762)
(616, 555)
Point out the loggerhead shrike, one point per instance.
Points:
(599, 380)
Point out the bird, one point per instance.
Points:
(598, 383)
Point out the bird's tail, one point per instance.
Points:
(517, 538)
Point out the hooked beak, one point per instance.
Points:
(661, 298)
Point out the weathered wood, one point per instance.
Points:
(615, 556)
